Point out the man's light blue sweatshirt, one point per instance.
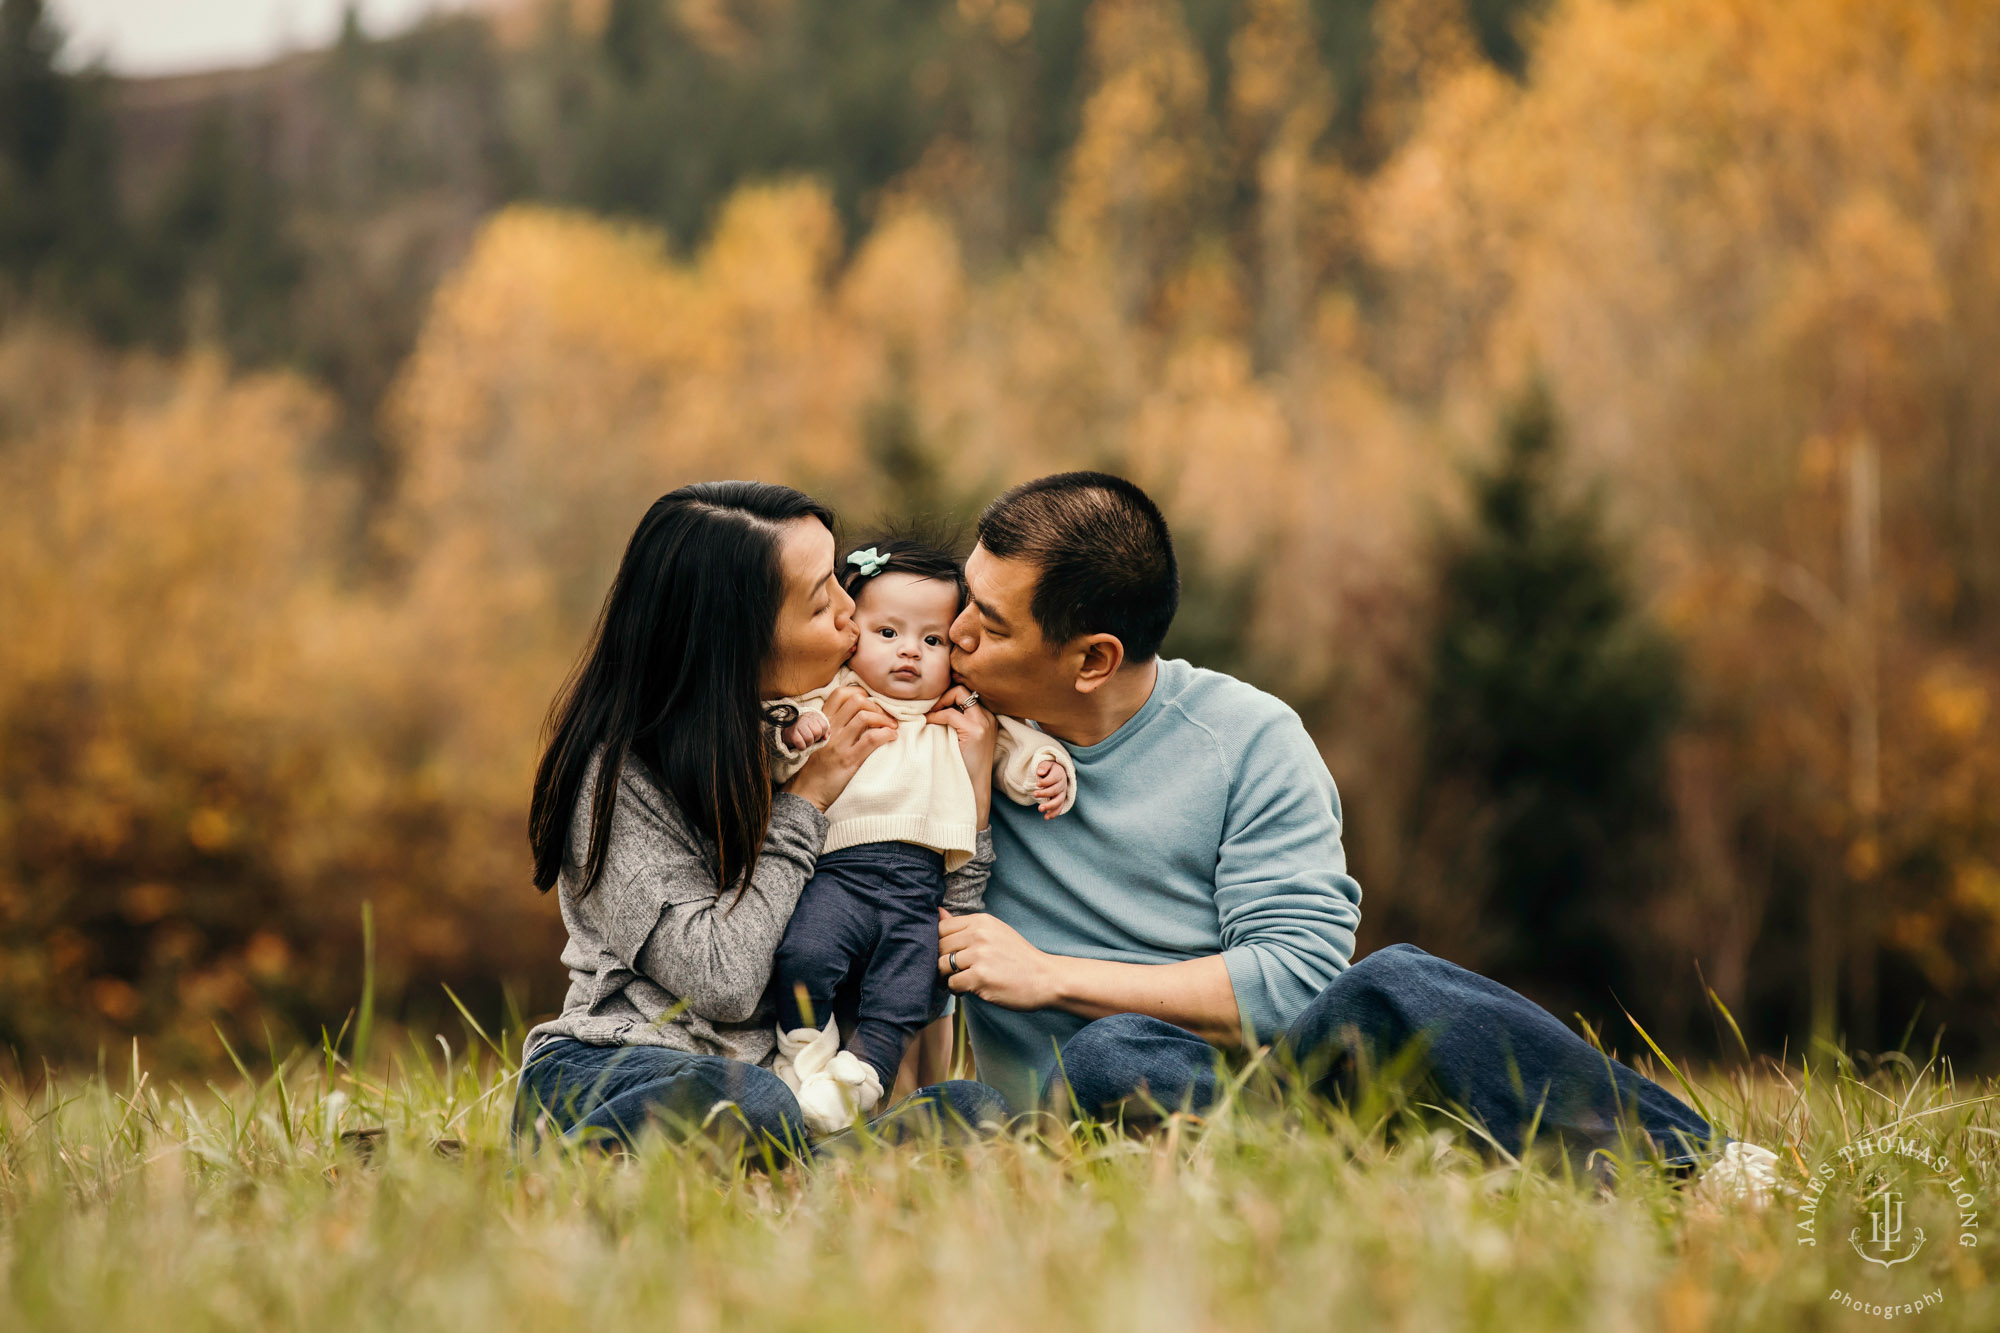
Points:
(1206, 824)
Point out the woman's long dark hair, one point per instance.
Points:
(670, 678)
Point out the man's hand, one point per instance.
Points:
(993, 962)
(1051, 786)
(808, 731)
(997, 965)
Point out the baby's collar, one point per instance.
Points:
(905, 708)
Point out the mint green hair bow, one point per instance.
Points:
(869, 561)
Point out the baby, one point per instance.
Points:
(907, 818)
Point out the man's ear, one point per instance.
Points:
(1103, 654)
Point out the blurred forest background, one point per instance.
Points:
(1574, 409)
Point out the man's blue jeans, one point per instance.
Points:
(1487, 1049)
(611, 1094)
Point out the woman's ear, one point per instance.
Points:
(1103, 654)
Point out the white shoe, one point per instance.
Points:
(833, 1086)
(1744, 1172)
(803, 1052)
(838, 1095)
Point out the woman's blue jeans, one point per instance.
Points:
(1471, 1041)
(611, 1094)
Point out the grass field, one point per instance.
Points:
(125, 1204)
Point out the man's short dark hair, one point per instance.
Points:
(1104, 557)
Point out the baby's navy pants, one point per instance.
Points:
(864, 940)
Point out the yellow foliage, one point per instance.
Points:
(204, 731)
(1955, 704)
(1140, 166)
(1746, 244)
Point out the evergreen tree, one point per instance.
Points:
(34, 130)
(1500, 26)
(223, 263)
(667, 127)
(1550, 704)
(917, 476)
(60, 241)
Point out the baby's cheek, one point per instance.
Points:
(867, 658)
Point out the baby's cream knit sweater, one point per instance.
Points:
(915, 789)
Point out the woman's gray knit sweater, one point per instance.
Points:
(658, 956)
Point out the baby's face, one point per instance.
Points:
(903, 651)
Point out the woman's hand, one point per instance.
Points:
(859, 726)
(984, 956)
(960, 710)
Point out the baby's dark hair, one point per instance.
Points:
(923, 551)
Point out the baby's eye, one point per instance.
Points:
(934, 640)
(886, 632)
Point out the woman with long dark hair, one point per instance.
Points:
(675, 861)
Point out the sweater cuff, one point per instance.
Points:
(792, 808)
(1254, 1010)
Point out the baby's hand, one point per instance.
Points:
(808, 731)
(1051, 786)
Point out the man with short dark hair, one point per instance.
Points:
(1197, 895)
(1201, 879)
